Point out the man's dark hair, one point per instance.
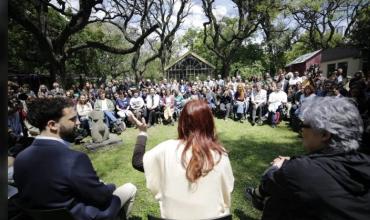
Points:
(40, 111)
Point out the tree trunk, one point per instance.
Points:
(225, 70)
(163, 66)
(58, 68)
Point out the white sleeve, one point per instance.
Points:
(153, 161)
(227, 182)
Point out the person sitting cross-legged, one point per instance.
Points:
(51, 175)
(191, 177)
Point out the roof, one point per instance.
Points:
(304, 58)
(339, 53)
(194, 55)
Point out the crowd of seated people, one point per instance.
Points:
(290, 96)
(257, 99)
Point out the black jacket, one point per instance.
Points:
(323, 185)
(50, 175)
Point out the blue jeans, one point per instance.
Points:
(109, 118)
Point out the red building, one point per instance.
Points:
(304, 62)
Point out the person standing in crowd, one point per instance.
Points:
(152, 107)
(332, 181)
(50, 175)
(258, 100)
(191, 177)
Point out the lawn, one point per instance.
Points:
(251, 149)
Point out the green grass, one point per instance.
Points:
(251, 149)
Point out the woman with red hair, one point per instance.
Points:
(191, 177)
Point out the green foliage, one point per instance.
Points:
(360, 35)
(246, 71)
(193, 40)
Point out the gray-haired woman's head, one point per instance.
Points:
(331, 122)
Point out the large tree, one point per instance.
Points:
(320, 20)
(224, 36)
(34, 16)
(169, 15)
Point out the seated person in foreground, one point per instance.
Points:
(191, 177)
(332, 181)
(50, 175)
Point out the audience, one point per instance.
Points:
(283, 97)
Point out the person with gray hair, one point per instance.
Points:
(332, 181)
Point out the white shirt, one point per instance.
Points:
(276, 99)
(259, 97)
(84, 110)
(166, 178)
(294, 80)
(104, 105)
(136, 103)
(150, 103)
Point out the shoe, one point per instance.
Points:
(257, 202)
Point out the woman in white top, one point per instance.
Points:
(191, 177)
(84, 108)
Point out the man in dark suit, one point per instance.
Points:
(49, 175)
